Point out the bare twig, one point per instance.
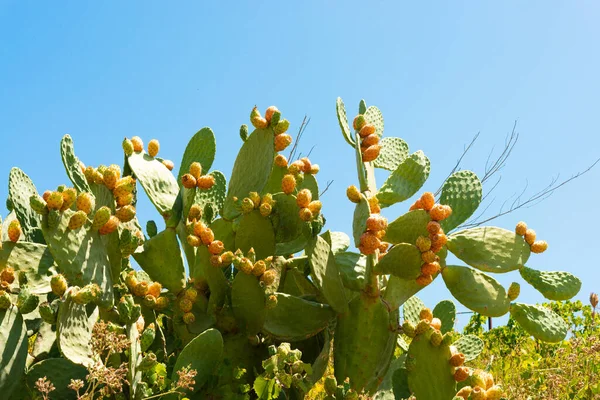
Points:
(326, 188)
(301, 130)
(457, 165)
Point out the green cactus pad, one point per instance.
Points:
(343, 120)
(405, 181)
(393, 151)
(476, 290)
(375, 117)
(490, 249)
(273, 184)
(223, 231)
(430, 375)
(80, 255)
(400, 380)
(214, 197)
(59, 371)
(74, 331)
(251, 170)
(45, 345)
(217, 283)
(399, 290)
(248, 303)
(203, 353)
(32, 259)
(13, 342)
(20, 189)
(408, 227)
(411, 310)
(296, 245)
(158, 182)
(161, 259)
(553, 285)
(201, 148)
(325, 275)
(403, 261)
(540, 322)
(72, 166)
(286, 221)
(470, 345)
(463, 192)
(338, 241)
(310, 182)
(352, 269)
(362, 341)
(446, 311)
(255, 231)
(295, 319)
(359, 223)
(296, 284)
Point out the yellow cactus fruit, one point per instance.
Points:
(191, 294)
(265, 209)
(198, 228)
(424, 280)
(109, 178)
(153, 147)
(269, 113)
(303, 198)
(14, 230)
(513, 291)
(314, 169)
(259, 268)
(423, 243)
(371, 153)
(489, 379)
(296, 167)
(138, 145)
(161, 303)
(427, 201)
(205, 182)
(216, 260)
(77, 220)
(369, 243)
(110, 226)
(353, 194)
(85, 202)
(358, 122)
(125, 213)
(124, 200)
(69, 197)
(131, 280)
(154, 289)
(478, 378)
(185, 305)
(282, 141)
(169, 164)
(374, 205)
(422, 327)
(379, 234)
(428, 256)
(141, 289)
(539, 246)
(98, 177)
(268, 277)
(47, 194)
(195, 212)
(426, 314)
(227, 257)
(195, 169)
(530, 236)
(478, 393)
(54, 201)
(521, 228)
(383, 247)
(207, 236)
(189, 318)
(315, 207)
(7, 275)
(417, 205)
(370, 140)
(430, 268)
(58, 284)
(188, 181)
(216, 247)
(307, 165)
(255, 197)
(288, 184)
(433, 227)
(438, 212)
(366, 130)
(457, 359)
(305, 214)
(436, 337)
(281, 161)
(447, 211)
(436, 324)
(257, 120)
(193, 240)
(245, 265)
(376, 222)
(438, 241)
(494, 393)
(461, 374)
(465, 392)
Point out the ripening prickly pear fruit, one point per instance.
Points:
(479, 378)
(153, 147)
(257, 120)
(85, 202)
(26, 301)
(227, 257)
(371, 153)
(154, 289)
(409, 329)
(281, 161)
(110, 226)
(161, 303)
(314, 169)
(513, 291)
(307, 165)
(259, 268)
(77, 220)
(195, 212)
(305, 214)
(369, 243)
(376, 222)
(127, 147)
(101, 217)
(110, 178)
(374, 205)
(478, 393)
(436, 338)
(55, 201)
(521, 228)
(436, 324)
(281, 127)
(124, 200)
(245, 266)
(530, 236)
(5, 301)
(191, 294)
(424, 280)
(48, 312)
(188, 181)
(282, 141)
(216, 260)
(131, 280)
(149, 301)
(269, 112)
(370, 140)
(539, 246)
(87, 294)
(189, 318)
(359, 122)
(205, 182)
(38, 204)
(461, 374)
(207, 236)
(58, 284)
(494, 393)
(14, 230)
(353, 194)
(288, 184)
(138, 144)
(147, 337)
(422, 327)
(428, 256)
(303, 198)
(198, 228)
(268, 277)
(416, 205)
(296, 167)
(426, 314)
(464, 392)
(99, 175)
(216, 247)
(247, 205)
(423, 243)
(366, 130)
(193, 240)
(457, 359)
(125, 213)
(265, 209)
(7, 275)
(438, 241)
(433, 227)
(124, 185)
(196, 169)
(169, 164)
(383, 247)
(430, 268)
(255, 198)
(185, 305)
(315, 207)
(141, 289)
(427, 201)
(438, 212)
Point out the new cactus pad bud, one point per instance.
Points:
(169, 164)
(430, 268)
(315, 207)
(409, 329)
(48, 312)
(447, 339)
(366, 130)
(353, 194)
(85, 202)
(193, 240)
(282, 141)
(7, 275)
(369, 243)
(195, 212)
(38, 204)
(265, 209)
(188, 181)
(259, 268)
(436, 338)
(281, 161)
(422, 327)
(530, 236)
(464, 392)
(521, 228)
(141, 289)
(26, 301)
(5, 301)
(268, 277)
(371, 153)
(196, 169)
(461, 374)
(138, 145)
(424, 280)
(125, 213)
(14, 230)
(426, 314)
(436, 324)
(58, 284)
(77, 220)
(110, 226)
(457, 359)
(376, 222)
(207, 236)
(257, 120)
(303, 198)
(205, 182)
(247, 205)
(216, 247)
(539, 246)
(55, 201)
(153, 147)
(127, 147)
(513, 291)
(288, 184)
(281, 127)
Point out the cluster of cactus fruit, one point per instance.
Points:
(242, 289)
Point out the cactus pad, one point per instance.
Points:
(470, 345)
(32, 259)
(374, 117)
(20, 189)
(490, 249)
(405, 181)
(446, 311)
(248, 303)
(59, 371)
(553, 285)
(408, 227)
(212, 198)
(359, 223)
(393, 151)
(540, 322)
(476, 290)
(13, 336)
(72, 166)
(343, 121)
(399, 290)
(463, 192)
(403, 261)
(352, 269)
(286, 221)
(201, 148)
(255, 231)
(74, 331)
(411, 310)
(338, 241)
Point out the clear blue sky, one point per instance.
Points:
(104, 70)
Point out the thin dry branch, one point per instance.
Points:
(326, 188)
(301, 130)
(457, 165)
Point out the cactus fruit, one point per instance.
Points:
(7, 275)
(436, 338)
(77, 220)
(128, 147)
(125, 213)
(101, 217)
(269, 113)
(154, 289)
(423, 244)
(207, 236)
(26, 301)
(530, 236)
(138, 144)
(371, 153)
(376, 223)
(185, 305)
(359, 122)
(265, 209)
(422, 327)
(428, 256)
(282, 141)
(193, 240)
(424, 280)
(305, 214)
(539, 246)
(314, 169)
(195, 212)
(461, 374)
(268, 277)
(124, 200)
(430, 268)
(494, 393)
(55, 201)
(216, 247)
(465, 392)
(14, 230)
(5, 300)
(110, 226)
(255, 197)
(436, 324)
(191, 294)
(169, 164)
(315, 207)
(353, 194)
(409, 329)
(369, 243)
(109, 178)
(303, 198)
(513, 291)
(521, 228)
(288, 184)
(162, 303)
(374, 206)
(58, 284)
(140, 289)
(188, 181)
(85, 202)
(247, 205)
(440, 212)
(426, 315)
(433, 227)
(205, 182)
(257, 120)
(457, 359)
(153, 147)
(259, 268)
(427, 201)
(366, 130)
(370, 140)
(281, 161)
